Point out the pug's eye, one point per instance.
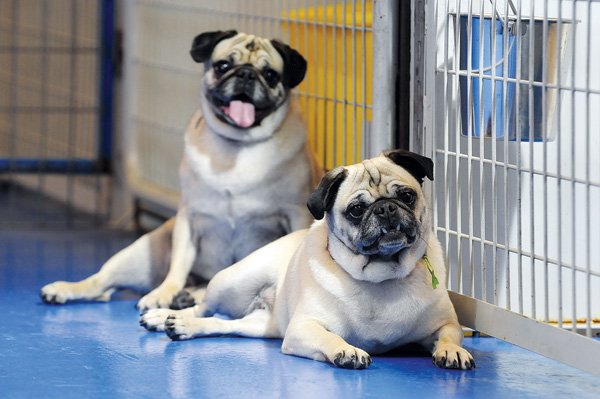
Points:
(271, 76)
(408, 197)
(356, 211)
(222, 66)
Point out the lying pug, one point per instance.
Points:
(367, 277)
(246, 175)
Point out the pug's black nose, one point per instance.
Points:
(388, 215)
(386, 210)
(246, 74)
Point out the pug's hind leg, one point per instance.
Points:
(308, 338)
(447, 350)
(258, 324)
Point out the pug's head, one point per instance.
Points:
(376, 213)
(247, 82)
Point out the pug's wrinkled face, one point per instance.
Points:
(247, 81)
(380, 212)
(244, 81)
(377, 214)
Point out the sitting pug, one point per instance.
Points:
(367, 277)
(245, 176)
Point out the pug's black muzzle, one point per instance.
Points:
(244, 84)
(388, 226)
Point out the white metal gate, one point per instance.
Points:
(342, 115)
(512, 110)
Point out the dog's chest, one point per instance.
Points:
(217, 189)
(219, 162)
(379, 319)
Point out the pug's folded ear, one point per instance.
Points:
(417, 165)
(204, 44)
(294, 65)
(323, 198)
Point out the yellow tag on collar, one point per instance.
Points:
(434, 281)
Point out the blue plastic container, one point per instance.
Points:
(491, 60)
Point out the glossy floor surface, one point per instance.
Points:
(97, 350)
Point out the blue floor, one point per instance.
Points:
(98, 350)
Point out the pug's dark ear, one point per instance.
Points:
(204, 44)
(294, 65)
(417, 165)
(324, 196)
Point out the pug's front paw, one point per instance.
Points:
(57, 293)
(452, 356)
(160, 298)
(179, 328)
(154, 319)
(350, 357)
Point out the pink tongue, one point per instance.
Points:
(242, 113)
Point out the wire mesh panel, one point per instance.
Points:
(51, 116)
(335, 97)
(514, 136)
